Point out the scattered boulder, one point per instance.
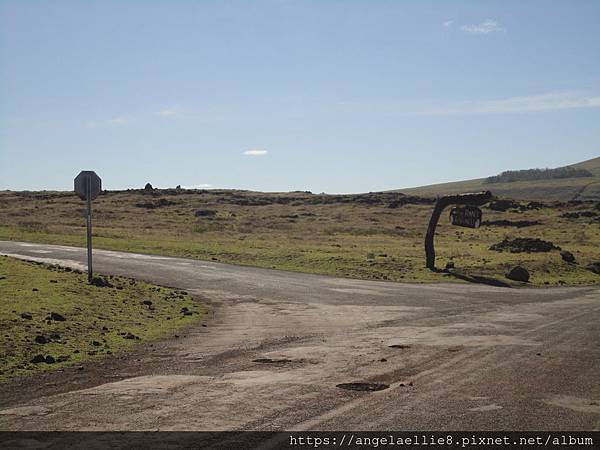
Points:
(527, 245)
(594, 267)
(518, 273)
(147, 205)
(578, 214)
(186, 312)
(502, 205)
(56, 317)
(38, 359)
(153, 205)
(101, 282)
(205, 213)
(41, 339)
(26, 315)
(535, 205)
(567, 256)
(570, 215)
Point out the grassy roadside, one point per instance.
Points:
(51, 313)
(375, 236)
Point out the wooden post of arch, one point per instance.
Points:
(476, 199)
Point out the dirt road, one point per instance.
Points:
(276, 345)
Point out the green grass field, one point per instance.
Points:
(98, 321)
(371, 236)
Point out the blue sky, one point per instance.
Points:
(275, 95)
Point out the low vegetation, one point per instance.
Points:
(50, 317)
(510, 176)
(376, 236)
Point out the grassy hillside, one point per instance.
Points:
(558, 189)
(593, 165)
(370, 236)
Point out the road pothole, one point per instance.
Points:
(368, 387)
(272, 361)
(399, 346)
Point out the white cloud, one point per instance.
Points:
(485, 27)
(176, 112)
(448, 23)
(173, 111)
(255, 152)
(552, 101)
(120, 120)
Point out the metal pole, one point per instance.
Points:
(89, 226)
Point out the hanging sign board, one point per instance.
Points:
(466, 216)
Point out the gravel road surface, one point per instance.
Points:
(275, 345)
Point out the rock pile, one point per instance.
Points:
(526, 245)
(510, 223)
(504, 205)
(578, 214)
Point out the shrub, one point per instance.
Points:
(538, 174)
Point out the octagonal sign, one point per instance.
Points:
(88, 181)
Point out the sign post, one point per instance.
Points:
(88, 185)
(469, 216)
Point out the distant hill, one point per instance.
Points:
(572, 188)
